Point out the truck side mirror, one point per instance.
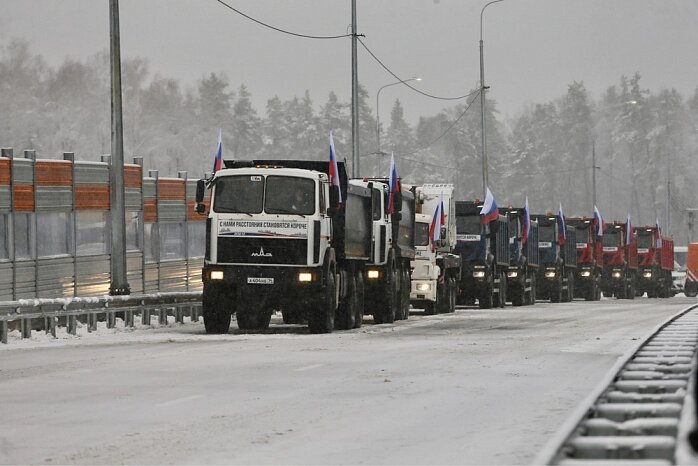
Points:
(200, 190)
(398, 201)
(334, 200)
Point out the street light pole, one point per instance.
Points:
(378, 125)
(354, 96)
(593, 173)
(482, 102)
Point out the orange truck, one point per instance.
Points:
(691, 285)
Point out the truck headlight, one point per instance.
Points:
(550, 273)
(373, 274)
(512, 274)
(479, 274)
(423, 286)
(305, 277)
(216, 275)
(616, 274)
(585, 273)
(647, 274)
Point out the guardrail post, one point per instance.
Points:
(92, 322)
(111, 319)
(194, 313)
(128, 318)
(52, 325)
(179, 315)
(3, 332)
(162, 319)
(26, 328)
(72, 324)
(145, 320)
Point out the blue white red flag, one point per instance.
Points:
(598, 222)
(561, 227)
(443, 210)
(394, 183)
(628, 231)
(218, 159)
(435, 227)
(334, 171)
(658, 234)
(526, 223)
(489, 212)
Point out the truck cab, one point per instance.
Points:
(484, 251)
(619, 262)
(655, 263)
(277, 238)
(589, 258)
(558, 259)
(523, 258)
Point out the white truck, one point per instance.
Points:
(387, 273)
(277, 238)
(435, 269)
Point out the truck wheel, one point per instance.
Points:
(691, 294)
(556, 292)
(321, 318)
(346, 311)
(389, 304)
(430, 308)
(442, 297)
(631, 290)
(291, 314)
(405, 294)
(359, 291)
(486, 299)
(452, 295)
(216, 314)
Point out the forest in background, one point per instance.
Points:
(646, 143)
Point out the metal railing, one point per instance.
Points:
(51, 313)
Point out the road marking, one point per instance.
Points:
(307, 368)
(178, 401)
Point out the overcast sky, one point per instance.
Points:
(533, 48)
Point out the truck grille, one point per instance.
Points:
(262, 251)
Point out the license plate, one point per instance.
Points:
(260, 281)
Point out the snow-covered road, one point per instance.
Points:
(475, 387)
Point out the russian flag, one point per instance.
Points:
(598, 221)
(489, 212)
(526, 223)
(435, 227)
(218, 160)
(628, 231)
(394, 183)
(334, 171)
(562, 228)
(658, 233)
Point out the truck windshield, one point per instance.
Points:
(239, 193)
(610, 238)
(583, 233)
(468, 225)
(546, 234)
(421, 237)
(645, 240)
(290, 195)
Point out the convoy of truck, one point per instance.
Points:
(302, 238)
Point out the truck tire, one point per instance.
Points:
(346, 311)
(430, 308)
(321, 318)
(216, 314)
(486, 299)
(442, 299)
(359, 284)
(556, 292)
(405, 287)
(291, 314)
(390, 303)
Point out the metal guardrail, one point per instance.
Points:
(66, 311)
(634, 414)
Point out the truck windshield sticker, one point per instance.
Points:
(263, 229)
(468, 237)
(255, 178)
(643, 250)
(581, 245)
(610, 248)
(545, 244)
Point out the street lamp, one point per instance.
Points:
(482, 102)
(378, 125)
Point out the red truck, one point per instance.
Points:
(587, 280)
(619, 261)
(655, 256)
